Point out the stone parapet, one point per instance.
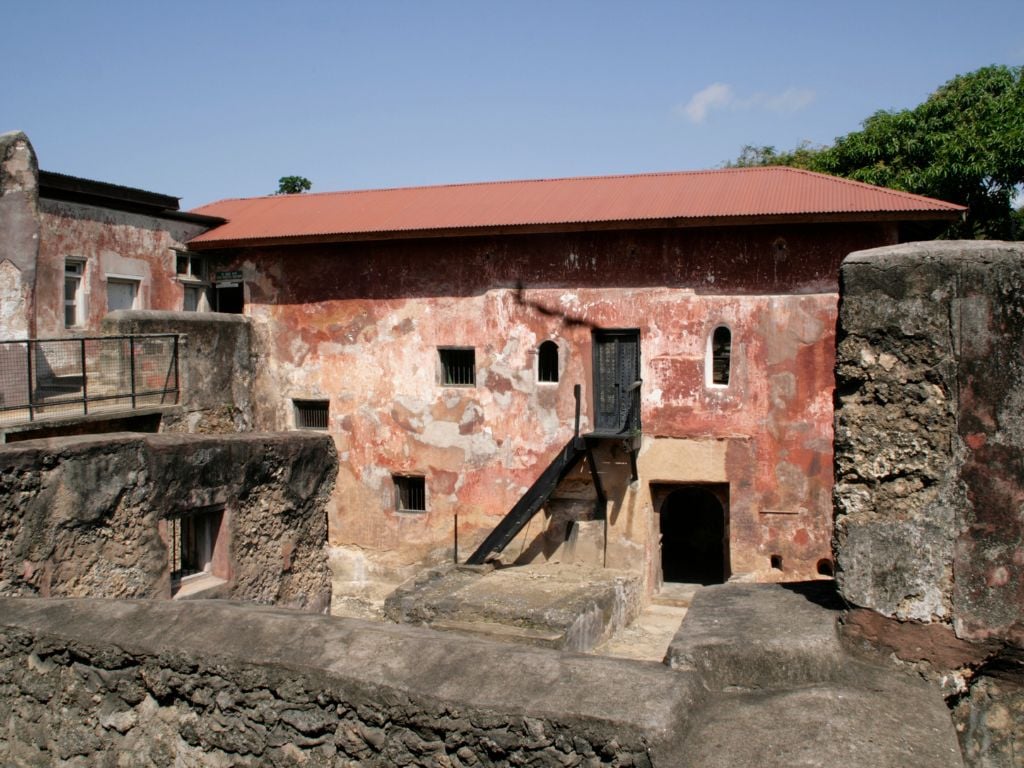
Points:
(929, 435)
(212, 683)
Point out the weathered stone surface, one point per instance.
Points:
(930, 435)
(19, 243)
(990, 718)
(80, 516)
(226, 684)
(217, 366)
(784, 691)
(561, 606)
(760, 635)
(934, 644)
(890, 723)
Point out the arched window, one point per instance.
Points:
(547, 362)
(719, 352)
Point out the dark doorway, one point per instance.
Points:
(230, 299)
(617, 382)
(694, 543)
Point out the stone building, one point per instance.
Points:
(438, 335)
(75, 249)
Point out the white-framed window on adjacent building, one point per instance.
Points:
(190, 269)
(122, 293)
(74, 295)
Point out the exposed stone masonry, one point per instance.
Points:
(217, 366)
(80, 516)
(929, 439)
(929, 452)
(271, 687)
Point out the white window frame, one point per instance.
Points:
(133, 280)
(190, 280)
(74, 269)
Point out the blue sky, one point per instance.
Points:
(212, 99)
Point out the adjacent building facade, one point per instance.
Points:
(439, 334)
(75, 249)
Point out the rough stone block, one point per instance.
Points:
(929, 435)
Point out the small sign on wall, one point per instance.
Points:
(231, 279)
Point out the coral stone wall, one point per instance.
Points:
(213, 683)
(216, 366)
(82, 516)
(358, 325)
(930, 435)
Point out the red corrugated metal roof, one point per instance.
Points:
(735, 193)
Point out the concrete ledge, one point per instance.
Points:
(785, 693)
(890, 723)
(573, 607)
(409, 669)
(760, 636)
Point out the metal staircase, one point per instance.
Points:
(567, 459)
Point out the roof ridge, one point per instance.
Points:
(865, 185)
(499, 182)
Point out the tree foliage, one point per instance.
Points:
(804, 156)
(964, 144)
(293, 185)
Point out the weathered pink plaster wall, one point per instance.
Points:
(110, 243)
(359, 325)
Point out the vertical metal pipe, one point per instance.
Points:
(131, 362)
(85, 381)
(576, 394)
(28, 350)
(456, 551)
(177, 381)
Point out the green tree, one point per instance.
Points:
(964, 144)
(804, 156)
(293, 185)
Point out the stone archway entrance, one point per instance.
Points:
(695, 534)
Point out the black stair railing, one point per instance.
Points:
(536, 496)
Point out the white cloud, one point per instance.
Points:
(722, 96)
(716, 95)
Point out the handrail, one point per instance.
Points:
(63, 377)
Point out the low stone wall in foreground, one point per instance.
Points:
(267, 686)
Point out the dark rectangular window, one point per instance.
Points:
(193, 539)
(458, 367)
(410, 493)
(311, 414)
(721, 352)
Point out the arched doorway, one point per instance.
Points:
(694, 540)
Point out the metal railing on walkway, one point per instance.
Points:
(50, 378)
